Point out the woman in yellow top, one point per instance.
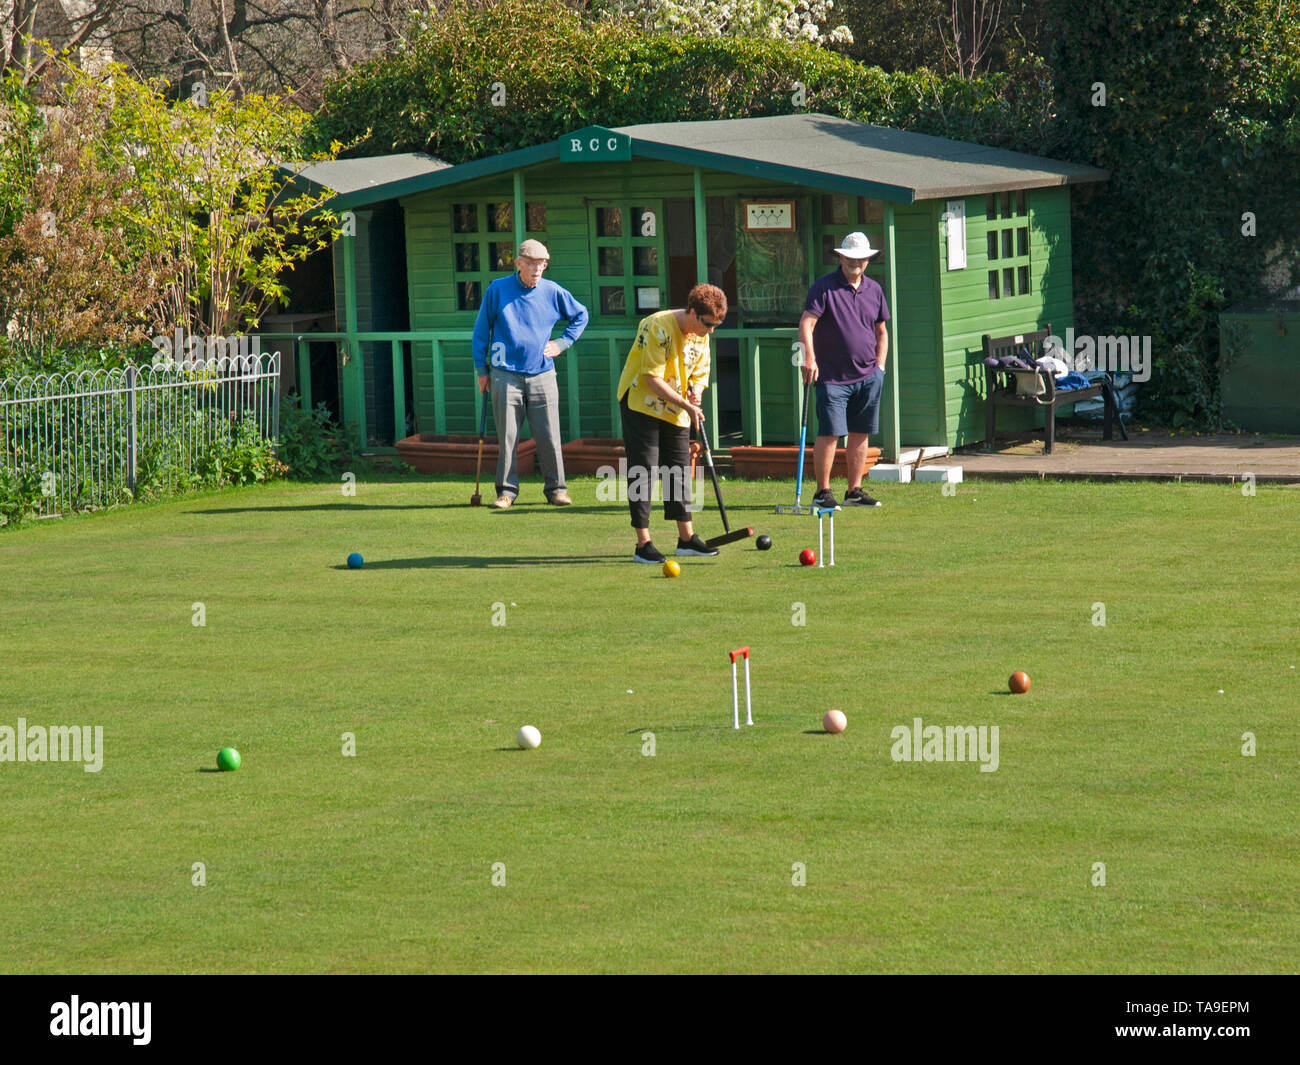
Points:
(659, 395)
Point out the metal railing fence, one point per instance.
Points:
(94, 438)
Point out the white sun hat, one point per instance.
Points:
(856, 246)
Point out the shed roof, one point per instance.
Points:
(350, 176)
(814, 150)
(811, 147)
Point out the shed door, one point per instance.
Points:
(627, 259)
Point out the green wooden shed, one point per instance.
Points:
(976, 240)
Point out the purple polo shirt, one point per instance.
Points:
(844, 338)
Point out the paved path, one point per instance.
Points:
(1149, 455)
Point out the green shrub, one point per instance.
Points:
(20, 493)
(311, 444)
(561, 74)
(243, 457)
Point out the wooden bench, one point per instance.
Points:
(1037, 388)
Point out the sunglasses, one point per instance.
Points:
(707, 324)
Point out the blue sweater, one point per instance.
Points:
(515, 322)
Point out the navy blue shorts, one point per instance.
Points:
(855, 408)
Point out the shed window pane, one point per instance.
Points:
(1022, 241)
(870, 210)
(536, 217)
(1008, 282)
(503, 255)
(464, 218)
(993, 284)
(644, 222)
(609, 221)
(1020, 203)
(1008, 242)
(467, 295)
(993, 244)
(990, 206)
(835, 210)
(467, 258)
(1024, 280)
(1006, 205)
(645, 261)
(610, 262)
(501, 217)
(613, 300)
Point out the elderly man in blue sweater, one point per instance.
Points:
(512, 336)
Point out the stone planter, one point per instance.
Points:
(432, 453)
(779, 463)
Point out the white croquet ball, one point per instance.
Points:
(528, 737)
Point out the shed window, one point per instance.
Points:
(1007, 244)
(626, 257)
(479, 254)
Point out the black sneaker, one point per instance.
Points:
(648, 553)
(825, 498)
(856, 497)
(695, 546)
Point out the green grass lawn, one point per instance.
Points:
(1124, 752)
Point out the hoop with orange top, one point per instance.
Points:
(740, 652)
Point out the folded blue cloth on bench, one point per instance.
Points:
(1072, 381)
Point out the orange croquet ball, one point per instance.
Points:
(1019, 682)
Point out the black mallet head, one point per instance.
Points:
(731, 537)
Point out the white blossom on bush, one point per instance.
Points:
(791, 20)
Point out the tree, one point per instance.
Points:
(969, 34)
(66, 276)
(69, 25)
(165, 215)
(910, 34)
(1195, 110)
(250, 46)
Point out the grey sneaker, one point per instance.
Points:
(856, 497)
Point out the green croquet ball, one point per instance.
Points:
(228, 759)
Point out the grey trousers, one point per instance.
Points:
(537, 398)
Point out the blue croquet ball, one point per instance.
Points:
(355, 561)
(763, 543)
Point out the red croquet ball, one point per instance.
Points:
(1019, 682)
(808, 557)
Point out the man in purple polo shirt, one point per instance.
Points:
(845, 347)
